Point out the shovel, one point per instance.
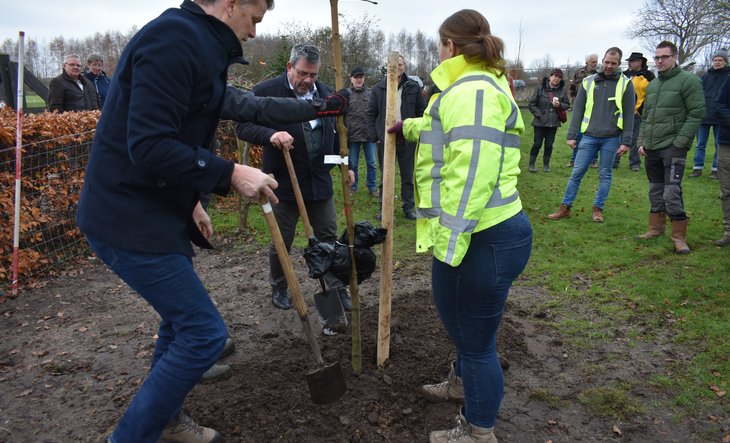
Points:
(326, 382)
(331, 314)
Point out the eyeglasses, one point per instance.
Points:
(97, 65)
(303, 75)
(73, 65)
(662, 58)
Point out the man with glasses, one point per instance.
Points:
(94, 71)
(308, 143)
(673, 110)
(71, 91)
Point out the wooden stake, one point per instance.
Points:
(344, 170)
(386, 257)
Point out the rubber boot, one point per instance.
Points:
(531, 167)
(562, 212)
(679, 236)
(657, 225)
(546, 163)
(463, 433)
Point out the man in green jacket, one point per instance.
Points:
(673, 110)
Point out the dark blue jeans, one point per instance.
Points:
(191, 336)
(470, 300)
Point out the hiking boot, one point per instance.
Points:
(463, 433)
(570, 165)
(280, 298)
(185, 430)
(374, 193)
(724, 241)
(345, 298)
(657, 223)
(451, 389)
(635, 168)
(215, 373)
(228, 348)
(597, 214)
(679, 236)
(409, 213)
(696, 173)
(713, 175)
(562, 212)
(594, 165)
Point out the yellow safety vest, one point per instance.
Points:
(588, 85)
(467, 159)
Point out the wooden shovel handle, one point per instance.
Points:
(298, 194)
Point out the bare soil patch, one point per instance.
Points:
(73, 353)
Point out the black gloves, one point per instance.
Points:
(333, 104)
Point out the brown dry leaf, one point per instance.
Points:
(40, 353)
(726, 439)
(83, 329)
(552, 422)
(617, 430)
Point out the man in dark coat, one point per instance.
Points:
(71, 91)
(711, 83)
(151, 161)
(412, 104)
(94, 72)
(722, 111)
(308, 144)
(360, 133)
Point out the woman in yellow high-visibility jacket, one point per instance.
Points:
(470, 213)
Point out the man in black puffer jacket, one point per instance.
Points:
(412, 104)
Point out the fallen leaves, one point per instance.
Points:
(718, 391)
(617, 430)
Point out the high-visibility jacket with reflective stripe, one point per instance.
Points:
(588, 84)
(467, 159)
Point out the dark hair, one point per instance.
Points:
(469, 31)
(668, 44)
(614, 50)
(310, 53)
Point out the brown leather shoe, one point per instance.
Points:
(562, 212)
(597, 214)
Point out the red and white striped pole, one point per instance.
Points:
(18, 156)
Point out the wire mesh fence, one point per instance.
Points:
(51, 178)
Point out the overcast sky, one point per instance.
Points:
(545, 29)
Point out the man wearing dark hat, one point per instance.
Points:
(360, 133)
(640, 76)
(711, 83)
(598, 112)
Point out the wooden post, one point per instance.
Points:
(386, 257)
(344, 170)
(243, 203)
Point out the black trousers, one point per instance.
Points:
(547, 134)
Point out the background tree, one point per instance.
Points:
(692, 25)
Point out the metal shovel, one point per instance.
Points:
(326, 382)
(332, 315)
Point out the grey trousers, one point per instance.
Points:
(664, 169)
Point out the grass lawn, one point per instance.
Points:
(651, 292)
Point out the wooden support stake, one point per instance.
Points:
(386, 257)
(344, 173)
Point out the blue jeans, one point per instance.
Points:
(370, 151)
(470, 300)
(703, 134)
(191, 336)
(587, 149)
(578, 137)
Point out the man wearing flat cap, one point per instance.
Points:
(360, 133)
(640, 76)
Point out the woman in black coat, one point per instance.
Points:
(546, 105)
